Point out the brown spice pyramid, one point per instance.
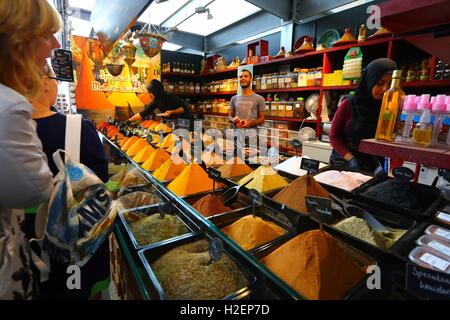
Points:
(294, 194)
(316, 266)
(210, 205)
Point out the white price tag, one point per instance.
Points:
(444, 216)
(435, 261)
(442, 233)
(440, 247)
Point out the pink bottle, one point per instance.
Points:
(408, 111)
(439, 109)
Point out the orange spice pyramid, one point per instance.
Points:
(85, 96)
(193, 179)
(144, 154)
(169, 170)
(137, 147)
(127, 145)
(155, 160)
(234, 168)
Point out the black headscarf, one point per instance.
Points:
(157, 88)
(365, 109)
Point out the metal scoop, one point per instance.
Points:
(230, 195)
(352, 210)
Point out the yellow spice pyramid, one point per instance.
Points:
(169, 140)
(193, 179)
(144, 154)
(234, 168)
(211, 159)
(265, 179)
(153, 125)
(137, 147)
(127, 145)
(186, 147)
(169, 170)
(164, 127)
(155, 160)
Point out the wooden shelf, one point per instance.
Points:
(267, 117)
(433, 157)
(426, 84)
(179, 74)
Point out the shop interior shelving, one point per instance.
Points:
(428, 156)
(329, 59)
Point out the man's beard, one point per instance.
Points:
(245, 86)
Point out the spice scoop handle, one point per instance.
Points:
(229, 196)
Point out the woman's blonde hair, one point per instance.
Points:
(21, 22)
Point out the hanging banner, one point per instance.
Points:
(116, 80)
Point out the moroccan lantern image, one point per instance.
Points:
(151, 43)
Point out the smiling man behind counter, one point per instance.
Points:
(246, 110)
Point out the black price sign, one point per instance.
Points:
(183, 123)
(310, 165)
(215, 249)
(164, 208)
(319, 207)
(427, 283)
(255, 197)
(296, 144)
(62, 65)
(214, 173)
(403, 173)
(339, 163)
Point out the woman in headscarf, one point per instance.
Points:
(357, 117)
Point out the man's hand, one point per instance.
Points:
(245, 124)
(236, 120)
(166, 114)
(136, 118)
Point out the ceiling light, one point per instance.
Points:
(209, 16)
(201, 10)
(159, 1)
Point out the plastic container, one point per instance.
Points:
(423, 131)
(426, 258)
(439, 109)
(405, 128)
(435, 244)
(129, 216)
(438, 232)
(150, 255)
(443, 218)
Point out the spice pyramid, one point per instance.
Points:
(234, 168)
(168, 141)
(122, 142)
(162, 126)
(193, 179)
(265, 179)
(169, 170)
(155, 160)
(136, 147)
(127, 145)
(86, 97)
(144, 154)
(294, 194)
(316, 266)
(250, 232)
(210, 205)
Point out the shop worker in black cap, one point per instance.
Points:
(170, 105)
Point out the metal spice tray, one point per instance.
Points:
(149, 255)
(357, 291)
(127, 217)
(430, 196)
(225, 219)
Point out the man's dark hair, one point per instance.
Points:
(246, 70)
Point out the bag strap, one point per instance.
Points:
(73, 136)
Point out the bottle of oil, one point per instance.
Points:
(390, 109)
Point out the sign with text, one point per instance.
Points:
(310, 165)
(213, 173)
(183, 123)
(403, 174)
(427, 283)
(255, 197)
(215, 249)
(319, 207)
(296, 144)
(62, 65)
(339, 163)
